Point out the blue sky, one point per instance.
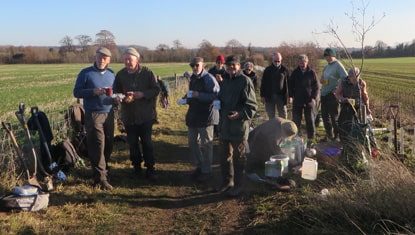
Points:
(151, 22)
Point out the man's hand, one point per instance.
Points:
(138, 95)
(99, 91)
(233, 115)
(195, 94)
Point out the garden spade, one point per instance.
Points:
(31, 178)
(22, 119)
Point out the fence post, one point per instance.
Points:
(176, 80)
(413, 141)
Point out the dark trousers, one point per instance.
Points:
(330, 113)
(135, 135)
(100, 136)
(233, 161)
(309, 115)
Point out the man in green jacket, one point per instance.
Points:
(238, 103)
(332, 73)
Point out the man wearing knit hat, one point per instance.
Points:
(139, 84)
(91, 86)
(332, 73)
(264, 140)
(218, 71)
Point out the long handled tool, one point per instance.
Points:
(53, 166)
(22, 119)
(34, 111)
(31, 178)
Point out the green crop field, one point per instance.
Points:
(50, 86)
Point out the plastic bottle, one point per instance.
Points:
(309, 169)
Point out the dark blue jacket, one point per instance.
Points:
(89, 79)
(303, 87)
(201, 113)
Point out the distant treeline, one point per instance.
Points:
(84, 51)
(257, 55)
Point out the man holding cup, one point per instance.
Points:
(200, 118)
(140, 87)
(93, 85)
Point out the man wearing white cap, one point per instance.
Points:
(139, 84)
(93, 85)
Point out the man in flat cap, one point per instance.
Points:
(200, 118)
(139, 84)
(238, 107)
(91, 86)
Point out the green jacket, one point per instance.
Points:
(332, 73)
(237, 94)
(142, 110)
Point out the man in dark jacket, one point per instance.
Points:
(139, 84)
(238, 102)
(99, 116)
(218, 71)
(273, 89)
(201, 117)
(304, 89)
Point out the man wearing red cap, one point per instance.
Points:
(218, 71)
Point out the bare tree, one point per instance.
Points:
(207, 50)
(360, 27)
(66, 44)
(162, 47)
(106, 39)
(84, 41)
(233, 46)
(177, 44)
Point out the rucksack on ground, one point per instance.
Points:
(66, 156)
(76, 122)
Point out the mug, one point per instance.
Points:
(216, 104)
(189, 94)
(108, 91)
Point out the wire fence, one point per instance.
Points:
(10, 166)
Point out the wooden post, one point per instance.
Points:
(176, 80)
(413, 141)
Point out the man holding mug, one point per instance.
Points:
(93, 85)
(200, 118)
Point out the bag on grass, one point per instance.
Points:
(25, 198)
(66, 156)
(76, 120)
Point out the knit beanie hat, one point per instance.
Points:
(289, 128)
(329, 52)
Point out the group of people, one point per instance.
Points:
(308, 93)
(220, 101)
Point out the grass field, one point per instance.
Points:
(380, 202)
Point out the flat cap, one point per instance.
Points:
(104, 51)
(196, 60)
(132, 51)
(233, 59)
